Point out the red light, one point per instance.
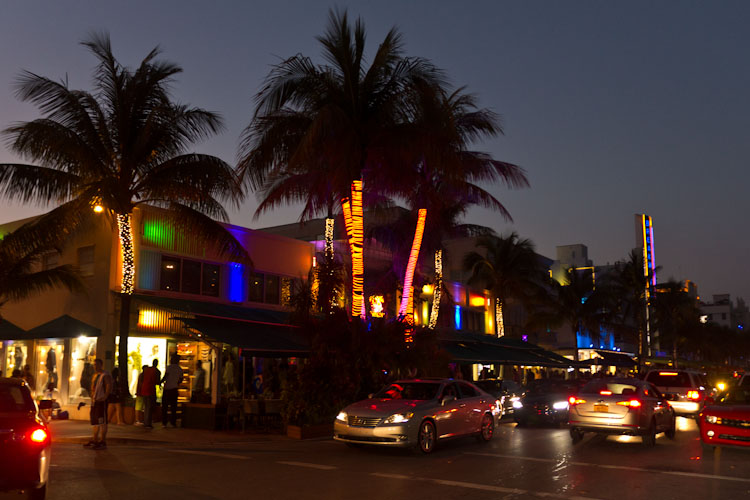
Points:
(38, 436)
(633, 403)
(668, 374)
(694, 395)
(572, 400)
(605, 393)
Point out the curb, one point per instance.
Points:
(115, 440)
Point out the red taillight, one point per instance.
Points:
(633, 403)
(39, 436)
(605, 393)
(694, 395)
(572, 400)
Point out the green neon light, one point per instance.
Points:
(159, 234)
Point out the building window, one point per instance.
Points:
(170, 274)
(86, 260)
(50, 260)
(255, 294)
(210, 284)
(272, 289)
(191, 277)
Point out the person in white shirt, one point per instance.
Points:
(171, 380)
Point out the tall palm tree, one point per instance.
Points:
(21, 257)
(509, 267)
(124, 144)
(341, 117)
(675, 315)
(443, 178)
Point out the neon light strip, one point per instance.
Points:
(407, 298)
(651, 245)
(645, 246)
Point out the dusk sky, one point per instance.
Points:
(613, 108)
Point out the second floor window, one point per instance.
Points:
(190, 276)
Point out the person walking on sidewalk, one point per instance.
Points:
(151, 378)
(101, 388)
(139, 404)
(171, 381)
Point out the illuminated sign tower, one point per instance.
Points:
(644, 236)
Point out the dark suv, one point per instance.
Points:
(24, 441)
(686, 390)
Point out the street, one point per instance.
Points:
(518, 463)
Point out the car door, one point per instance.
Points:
(661, 406)
(472, 407)
(448, 417)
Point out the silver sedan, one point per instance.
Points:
(418, 413)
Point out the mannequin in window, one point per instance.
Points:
(51, 365)
(18, 356)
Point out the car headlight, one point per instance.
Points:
(711, 419)
(721, 386)
(341, 416)
(398, 418)
(560, 405)
(517, 405)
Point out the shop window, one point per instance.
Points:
(46, 370)
(191, 277)
(255, 293)
(50, 260)
(272, 289)
(211, 273)
(170, 274)
(16, 356)
(86, 260)
(81, 369)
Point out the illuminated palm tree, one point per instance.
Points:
(340, 117)
(120, 146)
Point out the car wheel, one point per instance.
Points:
(671, 431)
(37, 493)
(649, 438)
(488, 428)
(427, 438)
(576, 435)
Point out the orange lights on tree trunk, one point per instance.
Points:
(354, 221)
(125, 232)
(406, 308)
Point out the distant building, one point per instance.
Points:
(719, 311)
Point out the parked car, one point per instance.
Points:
(686, 390)
(418, 413)
(505, 392)
(24, 441)
(545, 402)
(727, 421)
(621, 406)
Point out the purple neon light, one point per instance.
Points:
(651, 245)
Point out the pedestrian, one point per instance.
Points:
(29, 378)
(114, 402)
(16, 374)
(172, 379)
(199, 382)
(101, 388)
(139, 399)
(151, 378)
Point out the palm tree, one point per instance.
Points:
(341, 117)
(442, 179)
(675, 315)
(509, 267)
(21, 256)
(123, 145)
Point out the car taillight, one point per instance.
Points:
(694, 395)
(632, 403)
(605, 393)
(39, 436)
(572, 400)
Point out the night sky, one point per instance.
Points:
(613, 108)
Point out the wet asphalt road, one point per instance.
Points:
(517, 463)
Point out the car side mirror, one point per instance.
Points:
(45, 404)
(447, 400)
(710, 400)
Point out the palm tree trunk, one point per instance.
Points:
(406, 309)
(358, 264)
(499, 321)
(127, 285)
(330, 221)
(437, 292)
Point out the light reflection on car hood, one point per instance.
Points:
(386, 407)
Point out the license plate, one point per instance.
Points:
(601, 408)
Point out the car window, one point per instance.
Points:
(613, 388)
(736, 396)
(409, 390)
(491, 386)
(652, 392)
(15, 398)
(467, 391)
(669, 379)
(450, 390)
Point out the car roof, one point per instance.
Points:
(12, 381)
(620, 380)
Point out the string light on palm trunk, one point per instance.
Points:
(406, 309)
(125, 232)
(329, 239)
(437, 290)
(499, 318)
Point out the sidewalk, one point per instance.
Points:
(79, 431)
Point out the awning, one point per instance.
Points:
(254, 338)
(62, 327)
(216, 310)
(613, 359)
(9, 331)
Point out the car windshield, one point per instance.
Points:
(15, 399)
(491, 386)
(669, 379)
(549, 387)
(611, 387)
(736, 396)
(409, 390)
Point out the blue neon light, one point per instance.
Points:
(236, 283)
(457, 317)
